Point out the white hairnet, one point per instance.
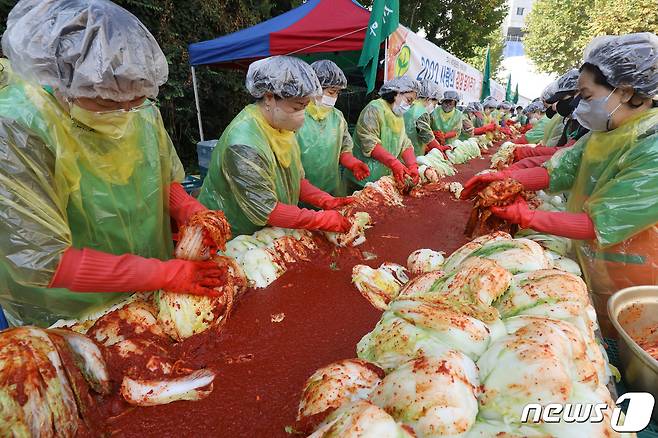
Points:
(451, 95)
(84, 48)
(429, 90)
(490, 102)
(627, 60)
(329, 74)
(549, 92)
(403, 84)
(283, 76)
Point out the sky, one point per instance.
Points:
(524, 73)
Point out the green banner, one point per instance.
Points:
(486, 79)
(384, 20)
(508, 91)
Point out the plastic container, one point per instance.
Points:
(204, 151)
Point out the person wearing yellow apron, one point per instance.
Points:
(474, 122)
(89, 178)
(610, 173)
(418, 119)
(255, 175)
(380, 139)
(324, 140)
(447, 119)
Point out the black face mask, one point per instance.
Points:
(550, 112)
(566, 107)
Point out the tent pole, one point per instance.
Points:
(196, 101)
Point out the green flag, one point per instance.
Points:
(508, 91)
(486, 79)
(515, 99)
(384, 20)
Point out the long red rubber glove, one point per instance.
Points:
(88, 270)
(510, 122)
(291, 216)
(521, 152)
(450, 134)
(527, 163)
(535, 178)
(480, 131)
(312, 195)
(572, 225)
(398, 169)
(527, 128)
(409, 157)
(520, 140)
(440, 137)
(359, 169)
(181, 205)
(433, 144)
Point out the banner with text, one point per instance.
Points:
(411, 55)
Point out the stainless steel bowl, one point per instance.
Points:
(639, 369)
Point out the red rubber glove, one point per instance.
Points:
(572, 225)
(479, 182)
(181, 205)
(317, 198)
(480, 131)
(409, 157)
(291, 216)
(505, 131)
(526, 128)
(520, 140)
(436, 145)
(398, 169)
(450, 134)
(535, 178)
(510, 122)
(521, 152)
(440, 137)
(528, 163)
(359, 169)
(88, 270)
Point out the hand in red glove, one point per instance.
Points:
(510, 122)
(505, 131)
(399, 170)
(291, 216)
(181, 205)
(517, 212)
(440, 137)
(479, 182)
(528, 163)
(520, 140)
(359, 169)
(450, 134)
(572, 225)
(535, 178)
(312, 195)
(409, 157)
(88, 270)
(521, 152)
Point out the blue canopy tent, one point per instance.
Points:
(332, 29)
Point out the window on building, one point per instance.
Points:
(519, 11)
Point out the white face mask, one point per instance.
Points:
(328, 100)
(288, 121)
(593, 114)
